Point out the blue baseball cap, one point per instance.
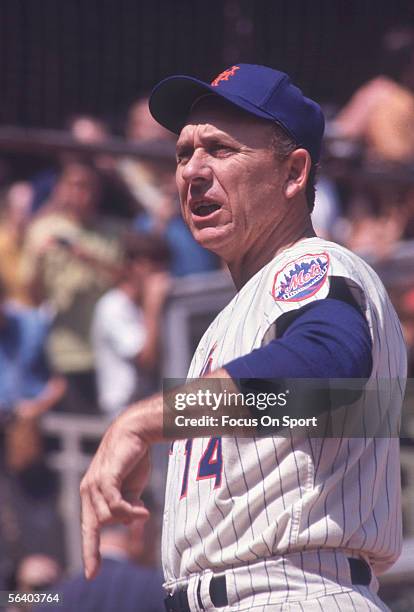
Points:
(259, 90)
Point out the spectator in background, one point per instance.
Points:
(126, 325)
(28, 389)
(123, 583)
(376, 231)
(141, 127)
(72, 257)
(153, 184)
(149, 180)
(380, 116)
(13, 225)
(381, 113)
(116, 198)
(35, 573)
(86, 130)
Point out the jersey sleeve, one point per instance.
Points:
(305, 276)
(327, 339)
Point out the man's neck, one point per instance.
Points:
(267, 247)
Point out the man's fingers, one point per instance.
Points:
(112, 506)
(104, 514)
(110, 491)
(101, 508)
(90, 537)
(125, 508)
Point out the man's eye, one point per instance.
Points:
(183, 156)
(220, 150)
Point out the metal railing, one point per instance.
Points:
(70, 461)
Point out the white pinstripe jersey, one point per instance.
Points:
(275, 495)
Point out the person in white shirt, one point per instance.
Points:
(126, 325)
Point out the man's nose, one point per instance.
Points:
(197, 169)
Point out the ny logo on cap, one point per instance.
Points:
(225, 75)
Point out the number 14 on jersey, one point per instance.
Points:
(210, 464)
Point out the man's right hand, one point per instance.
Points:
(111, 488)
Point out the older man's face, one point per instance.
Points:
(229, 179)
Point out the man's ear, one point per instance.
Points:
(298, 167)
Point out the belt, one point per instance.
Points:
(178, 601)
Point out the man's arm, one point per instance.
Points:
(326, 339)
(111, 488)
(52, 393)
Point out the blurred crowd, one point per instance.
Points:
(89, 250)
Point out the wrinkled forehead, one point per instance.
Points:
(213, 114)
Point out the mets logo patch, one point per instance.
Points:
(301, 279)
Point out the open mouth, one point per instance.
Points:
(203, 209)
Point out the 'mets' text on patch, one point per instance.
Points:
(301, 279)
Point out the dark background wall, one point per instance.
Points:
(59, 57)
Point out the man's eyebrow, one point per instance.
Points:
(184, 145)
(221, 140)
(210, 139)
(218, 137)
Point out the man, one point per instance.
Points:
(271, 523)
(380, 114)
(71, 258)
(126, 325)
(125, 583)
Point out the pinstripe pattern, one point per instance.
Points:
(280, 496)
(295, 584)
